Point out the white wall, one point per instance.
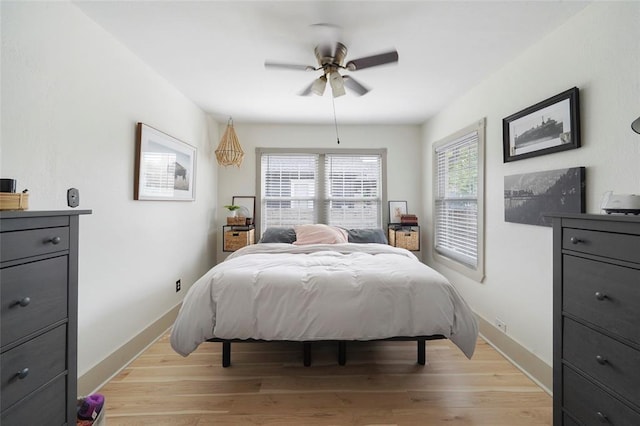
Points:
(71, 97)
(403, 156)
(599, 52)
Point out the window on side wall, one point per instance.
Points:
(313, 186)
(458, 167)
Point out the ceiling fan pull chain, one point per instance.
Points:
(335, 120)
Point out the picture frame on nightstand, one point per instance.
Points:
(396, 210)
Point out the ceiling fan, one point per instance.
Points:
(331, 59)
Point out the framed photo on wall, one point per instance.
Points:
(549, 126)
(165, 167)
(396, 210)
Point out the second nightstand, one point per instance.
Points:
(407, 237)
(236, 237)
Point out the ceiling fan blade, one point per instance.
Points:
(299, 67)
(372, 61)
(354, 85)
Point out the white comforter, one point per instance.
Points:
(322, 292)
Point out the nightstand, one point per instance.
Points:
(407, 237)
(236, 237)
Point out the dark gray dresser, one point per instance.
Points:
(38, 323)
(596, 309)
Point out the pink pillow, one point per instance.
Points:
(320, 234)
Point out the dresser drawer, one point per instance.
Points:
(616, 246)
(603, 294)
(20, 244)
(40, 286)
(41, 358)
(610, 362)
(592, 405)
(47, 407)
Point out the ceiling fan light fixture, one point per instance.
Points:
(319, 85)
(331, 57)
(337, 84)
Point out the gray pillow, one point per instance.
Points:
(372, 235)
(278, 235)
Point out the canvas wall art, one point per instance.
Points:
(529, 197)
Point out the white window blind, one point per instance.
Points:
(456, 219)
(336, 189)
(353, 190)
(289, 189)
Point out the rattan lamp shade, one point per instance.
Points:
(229, 151)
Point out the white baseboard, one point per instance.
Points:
(536, 369)
(102, 372)
(532, 366)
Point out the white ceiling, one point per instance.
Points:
(214, 51)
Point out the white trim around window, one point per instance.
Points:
(344, 187)
(458, 201)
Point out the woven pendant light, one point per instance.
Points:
(229, 151)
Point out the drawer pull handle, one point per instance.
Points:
(600, 296)
(602, 417)
(575, 240)
(54, 240)
(601, 360)
(22, 373)
(22, 302)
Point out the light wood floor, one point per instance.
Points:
(381, 384)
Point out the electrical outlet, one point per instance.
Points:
(178, 286)
(73, 197)
(501, 325)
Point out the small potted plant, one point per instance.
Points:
(232, 210)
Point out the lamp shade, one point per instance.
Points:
(319, 85)
(229, 151)
(635, 126)
(337, 84)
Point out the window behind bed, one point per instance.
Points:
(343, 188)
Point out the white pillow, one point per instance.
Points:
(320, 234)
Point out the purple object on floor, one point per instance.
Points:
(91, 407)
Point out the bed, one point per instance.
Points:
(319, 289)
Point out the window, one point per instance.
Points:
(458, 200)
(288, 186)
(312, 186)
(353, 190)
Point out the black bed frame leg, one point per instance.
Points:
(422, 353)
(226, 354)
(306, 353)
(342, 352)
